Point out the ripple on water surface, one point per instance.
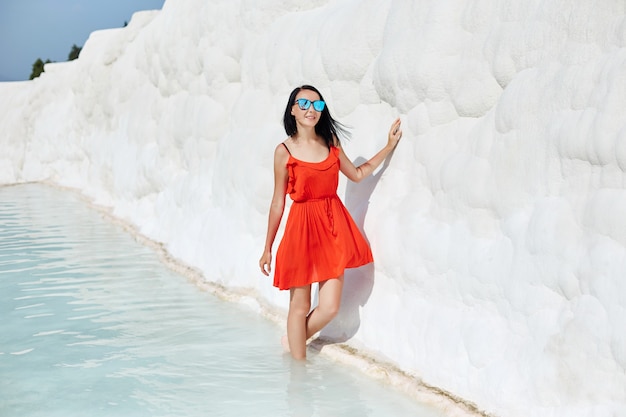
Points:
(94, 324)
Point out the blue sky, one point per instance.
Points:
(47, 29)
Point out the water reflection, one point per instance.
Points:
(313, 390)
(93, 324)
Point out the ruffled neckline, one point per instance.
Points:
(327, 163)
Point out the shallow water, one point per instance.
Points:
(93, 324)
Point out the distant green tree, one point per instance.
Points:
(74, 52)
(38, 68)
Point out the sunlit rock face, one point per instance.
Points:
(498, 226)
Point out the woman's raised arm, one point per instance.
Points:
(355, 173)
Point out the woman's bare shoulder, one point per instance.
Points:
(281, 152)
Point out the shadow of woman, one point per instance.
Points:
(358, 282)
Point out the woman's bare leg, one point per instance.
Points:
(327, 307)
(299, 307)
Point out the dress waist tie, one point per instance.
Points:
(329, 209)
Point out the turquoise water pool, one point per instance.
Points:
(93, 324)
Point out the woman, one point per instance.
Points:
(320, 238)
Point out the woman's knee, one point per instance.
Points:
(333, 310)
(299, 307)
(300, 301)
(329, 309)
(330, 297)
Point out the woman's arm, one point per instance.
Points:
(277, 206)
(356, 174)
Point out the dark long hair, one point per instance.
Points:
(327, 127)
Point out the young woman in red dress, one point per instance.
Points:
(320, 238)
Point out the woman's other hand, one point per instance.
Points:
(395, 133)
(266, 263)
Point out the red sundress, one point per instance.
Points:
(320, 238)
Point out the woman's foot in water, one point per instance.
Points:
(284, 341)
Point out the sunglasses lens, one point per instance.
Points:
(318, 105)
(303, 103)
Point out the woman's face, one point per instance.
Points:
(310, 116)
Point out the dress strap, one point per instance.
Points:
(286, 148)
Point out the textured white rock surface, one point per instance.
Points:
(498, 226)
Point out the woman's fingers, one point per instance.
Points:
(266, 266)
(396, 125)
(395, 133)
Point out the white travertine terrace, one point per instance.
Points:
(498, 225)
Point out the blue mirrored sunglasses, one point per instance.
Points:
(304, 104)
